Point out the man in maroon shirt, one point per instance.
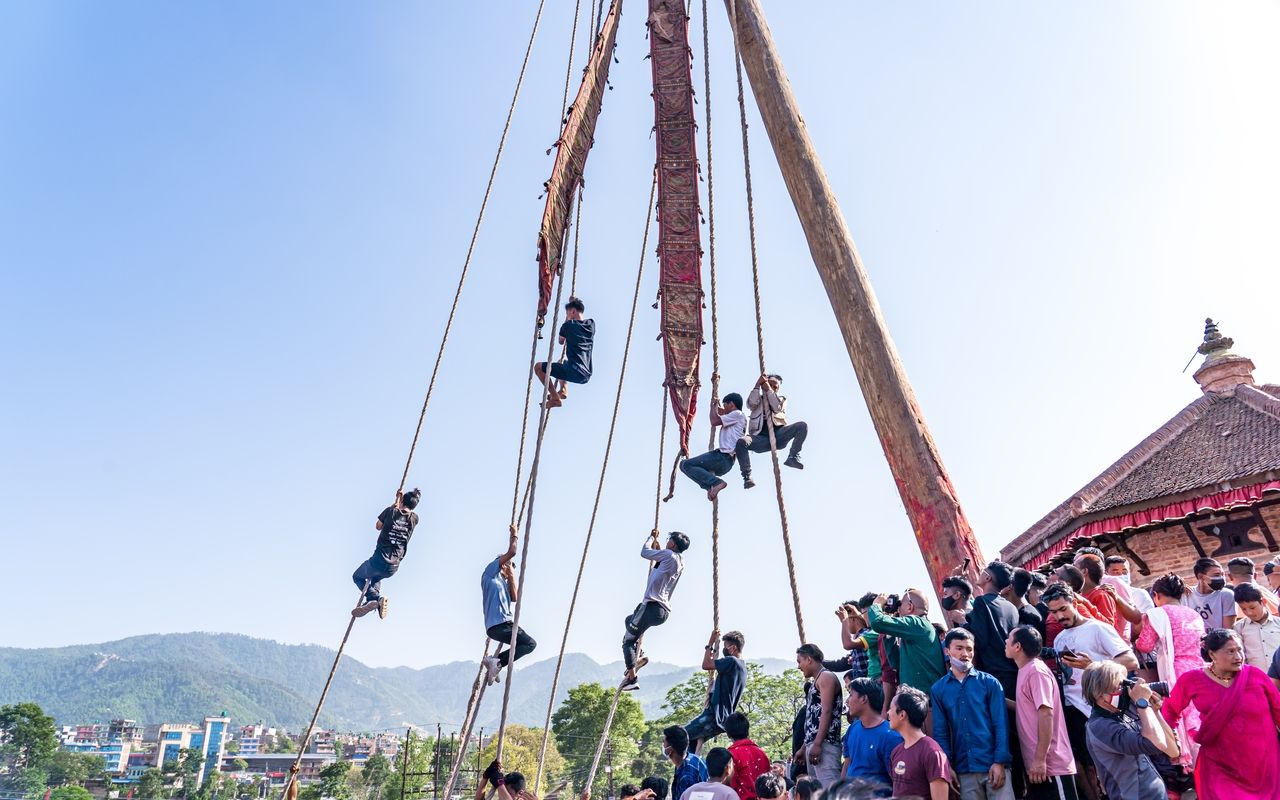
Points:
(749, 761)
(920, 767)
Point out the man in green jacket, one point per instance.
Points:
(920, 654)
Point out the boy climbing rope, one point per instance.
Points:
(577, 335)
(395, 525)
(656, 605)
(726, 689)
(769, 410)
(706, 469)
(498, 587)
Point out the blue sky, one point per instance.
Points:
(230, 232)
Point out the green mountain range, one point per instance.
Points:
(187, 676)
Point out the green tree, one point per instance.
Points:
(28, 741)
(151, 785)
(190, 762)
(70, 793)
(239, 764)
(578, 725)
(233, 747)
(333, 780)
(375, 775)
(73, 769)
(520, 754)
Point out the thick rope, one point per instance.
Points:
(475, 233)
(595, 509)
(755, 284)
(291, 781)
(468, 722)
(604, 738)
(662, 444)
(715, 332)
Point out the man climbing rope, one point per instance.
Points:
(505, 787)
(769, 410)
(706, 469)
(395, 525)
(498, 588)
(656, 605)
(726, 689)
(577, 335)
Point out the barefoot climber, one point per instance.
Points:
(578, 336)
(706, 469)
(498, 586)
(656, 605)
(396, 524)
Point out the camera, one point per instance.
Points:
(892, 603)
(1063, 668)
(1157, 687)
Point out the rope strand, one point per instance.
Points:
(468, 721)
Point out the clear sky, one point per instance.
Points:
(229, 233)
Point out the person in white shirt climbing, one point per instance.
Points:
(706, 469)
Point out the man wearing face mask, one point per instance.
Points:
(1215, 603)
(957, 600)
(970, 723)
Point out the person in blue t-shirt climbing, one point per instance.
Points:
(498, 588)
(578, 336)
(395, 525)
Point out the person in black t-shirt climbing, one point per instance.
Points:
(577, 335)
(395, 525)
(726, 690)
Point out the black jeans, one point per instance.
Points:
(646, 615)
(793, 434)
(707, 468)
(373, 571)
(501, 633)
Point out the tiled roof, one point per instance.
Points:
(1217, 438)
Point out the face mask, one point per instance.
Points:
(1124, 578)
(948, 603)
(963, 666)
(1217, 584)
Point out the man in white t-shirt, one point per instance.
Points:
(706, 469)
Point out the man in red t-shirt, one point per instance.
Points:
(920, 767)
(749, 761)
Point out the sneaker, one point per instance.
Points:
(630, 684)
(492, 670)
(640, 662)
(793, 462)
(715, 490)
(382, 608)
(747, 483)
(364, 608)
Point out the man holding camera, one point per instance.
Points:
(1125, 732)
(920, 654)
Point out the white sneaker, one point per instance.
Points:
(492, 670)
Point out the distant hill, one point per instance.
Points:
(187, 676)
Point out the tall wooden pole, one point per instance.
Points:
(941, 529)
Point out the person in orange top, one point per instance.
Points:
(1105, 600)
(749, 761)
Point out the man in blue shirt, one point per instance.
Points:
(970, 722)
(690, 768)
(869, 742)
(498, 589)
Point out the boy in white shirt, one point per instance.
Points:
(706, 469)
(1259, 629)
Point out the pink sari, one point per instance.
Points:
(1239, 747)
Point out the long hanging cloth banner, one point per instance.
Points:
(571, 156)
(679, 246)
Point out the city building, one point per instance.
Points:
(138, 763)
(1206, 483)
(124, 730)
(254, 739)
(211, 739)
(324, 743)
(275, 766)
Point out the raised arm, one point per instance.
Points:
(709, 653)
(506, 557)
(714, 411)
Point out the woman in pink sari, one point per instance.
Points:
(1172, 633)
(1239, 718)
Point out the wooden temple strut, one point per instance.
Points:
(942, 531)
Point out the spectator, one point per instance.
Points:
(920, 656)
(1039, 582)
(658, 786)
(1273, 672)
(869, 741)
(1042, 725)
(1215, 604)
(823, 708)
(628, 791)
(690, 768)
(855, 789)
(1082, 642)
(1122, 742)
(990, 622)
(1271, 571)
(1172, 633)
(1239, 714)
(1073, 578)
(749, 761)
(957, 599)
(1016, 593)
(856, 661)
(920, 766)
(726, 688)
(716, 786)
(771, 785)
(1091, 569)
(1241, 571)
(970, 723)
(806, 788)
(1258, 628)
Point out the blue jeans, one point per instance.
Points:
(373, 571)
(707, 468)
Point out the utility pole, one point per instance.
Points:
(435, 776)
(943, 533)
(404, 767)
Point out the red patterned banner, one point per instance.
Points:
(571, 156)
(679, 246)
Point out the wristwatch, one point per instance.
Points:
(1142, 703)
